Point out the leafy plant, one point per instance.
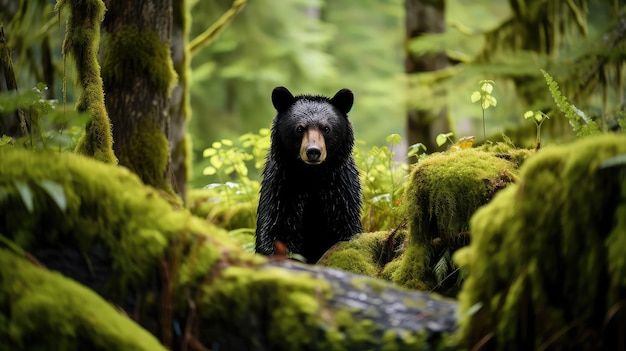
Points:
(443, 138)
(47, 127)
(232, 200)
(538, 117)
(486, 99)
(573, 114)
(383, 179)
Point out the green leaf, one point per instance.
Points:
(529, 114)
(25, 194)
(476, 96)
(41, 86)
(209, 171)
(441, 139)
(209, 152)
(56, 192)
(394, 139)
(487, 88)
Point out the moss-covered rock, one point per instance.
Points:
(43, 310)
(442, 194)
(367, 253)
(547, 266)
(104, 213)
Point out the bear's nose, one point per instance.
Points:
(313, 153)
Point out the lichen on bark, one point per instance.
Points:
(82, 39)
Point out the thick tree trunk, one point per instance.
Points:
(422, 17)
(138, 77)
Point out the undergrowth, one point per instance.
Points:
(231, 198)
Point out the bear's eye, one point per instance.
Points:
(326, 129)
(299, 129)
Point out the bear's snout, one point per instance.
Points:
(313, 147)
(313, 153)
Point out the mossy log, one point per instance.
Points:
(547, 261)
(178, 277)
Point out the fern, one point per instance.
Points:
(574, 115)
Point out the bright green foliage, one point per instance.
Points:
(546, 267)
(44, 309)
(442, 193)
(486, 99)
(444, 137)
(43, 117)
(538, 117)
(81, 41)
(574, 115)
(232, 201)
(382, 180)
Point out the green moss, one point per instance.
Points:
(412, 271)
(546, 261)
(443, 192)
(366, 253)
(39, 308)
(81, 41)
(285, 302)
(390, 269)
(134, 49)
(102, 204)
(147, 155)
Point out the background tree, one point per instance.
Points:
(580, 43)
(426, 120)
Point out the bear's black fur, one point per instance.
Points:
(310, 192)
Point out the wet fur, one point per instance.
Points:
(309, 206)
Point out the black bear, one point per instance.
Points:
(310, 192)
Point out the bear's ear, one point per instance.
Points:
(343, 100)
(282, 99)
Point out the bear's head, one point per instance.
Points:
(313, 129)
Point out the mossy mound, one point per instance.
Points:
(38, 311)
(547, 261)
(101, 215)
(366, 253)
(443, 192)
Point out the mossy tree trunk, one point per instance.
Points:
(138, 77)
(425, 17)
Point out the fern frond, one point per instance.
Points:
(442, 267)
(573, 114)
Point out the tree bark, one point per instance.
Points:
(422, 17)
(138, 77)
